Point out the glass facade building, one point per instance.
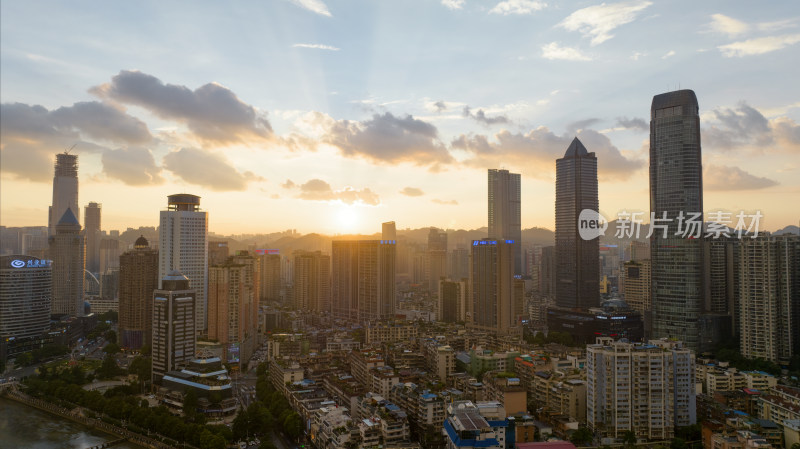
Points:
(505, 220)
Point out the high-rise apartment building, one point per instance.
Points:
(453, 304)
(363, 279)
(676, 196)
(636, 290)
(769, 302)
(67, 249)
(174, 339)
(505, 219)
(492, 286)
(65, 190)
(547, 272)
(25, 295)
(233, 306)
(648, 389)
(217, 252)
(270, 276)
(138, 279)
(388, 231)
(577, 260)
(312, 281)
(183, 246)
(458, 263)
(92, 230)
(437, 259)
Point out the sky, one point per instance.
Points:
(334, 116)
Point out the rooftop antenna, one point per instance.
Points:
(70, 148)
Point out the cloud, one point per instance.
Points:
(134, 166)
(732, 128)
(453, 4)
(316, 46)
(207, 169)
(31, 135)
(412, 191)
(723, 177)
(721, 23)
(481, 117)
(289, 184)
(668, 54)
(634, 123)
(509, 7)
(440, 106)
(581, 124)
(786, 132)
(316, 6)
(445, 202)
(319, 190)
(554, 51)
(212, 112)
(535, 152)
(389, 139)
(758, 46)
(600, 20)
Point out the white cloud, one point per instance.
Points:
(598, 21)
(453, 4)
(721, 23)
(758, 46)
(509, 7)
(317, 46)
(668, 54)
(316, 6)
(636, 55)
(555, 51)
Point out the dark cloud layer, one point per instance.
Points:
(133, 166)
(386, 138)
(33, 134)
(207, 169)
(537, 150)
(723, 177)
(738, 127)
(212, 112)
(633, 123)
(481, 117)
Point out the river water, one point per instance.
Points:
(27, 427)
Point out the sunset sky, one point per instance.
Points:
(334, 116)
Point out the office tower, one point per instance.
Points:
(721, 275)
(363, 279)
(92, 231)
(769, 288)
(547, 272)
(270, 276)
(33, 241)
(458, 264)
(676, 189)
(183, 246)
(68, 252)
(65, 190)
(437, 258)
(648, 389)
(232, 317)
(138, 279)
(636, 290)
(217, 252)
(25, 294)
(577, 265)
(388, 231)
(109, 254)
(174, 336)
(492, 286)
(312, 281)
(452, 303)
(505, 222)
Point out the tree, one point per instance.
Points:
(190, 403)
(678, 443)
(111, 348)
(108, 368)
(629, 438)
(110, 336)
(581, 437)
(268, 444)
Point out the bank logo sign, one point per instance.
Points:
(16, 263)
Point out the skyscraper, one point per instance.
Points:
(68, 251)
(92, 231)
(65, 190)
(437, 259)
(492, 286)
(363, 279)
(505, 222)
(577, 264)
(388, 231)
(270, 276)
(676, 194)
(312, 281)
(232, 293)
(183, 246)
(138, 279)
(452, 303)
(174, 335)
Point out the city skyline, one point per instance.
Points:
(343, 120)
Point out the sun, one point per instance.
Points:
(348, 218)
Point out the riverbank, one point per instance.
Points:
(75, 415)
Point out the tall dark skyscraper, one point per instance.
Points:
(138, 278)
(92, 230)
(67, 249)
(505, 221)
(676, 188)
(437, 259)
(65, 190)
(577, 260)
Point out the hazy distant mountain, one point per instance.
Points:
(791, 229)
